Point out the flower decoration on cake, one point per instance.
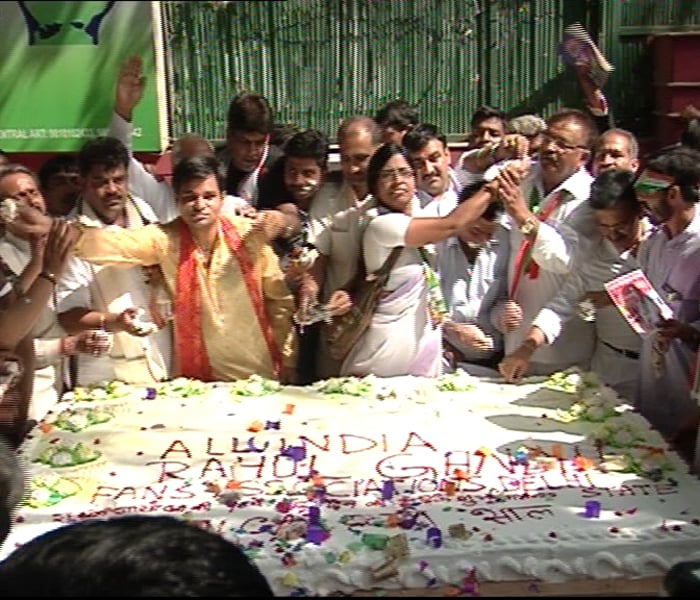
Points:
(50, 489)
(571, 381)
(255, 385)
(618, 432)
(459, 381)
(111, 390)
(596, 408)
(183, 387)
(347, 386)
(78, 419)
(65, 455)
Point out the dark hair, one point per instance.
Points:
(580, 118)
(487, 112)
(58, 163)
(196, 167)
(309, 143)
(107, 152)
(492, 211)
(690, 136)
(614, 188)
(377, 162)
(420, 135)
(250, 112)
(683, 164)
(134, 555)
(398, 114)
(4, 157)
(361, 122)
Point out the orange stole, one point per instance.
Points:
(193, 360)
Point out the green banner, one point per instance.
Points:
(58, 67)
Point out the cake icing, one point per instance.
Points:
(401, 483)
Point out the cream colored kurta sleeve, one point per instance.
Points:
(279, 300)
(117, 246)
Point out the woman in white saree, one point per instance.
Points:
(404, 337)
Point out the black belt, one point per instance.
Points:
(626, 353)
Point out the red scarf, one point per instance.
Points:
(523, 260)
(191, 349)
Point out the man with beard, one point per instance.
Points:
(669, 190)
(91, 297)
(550, 222)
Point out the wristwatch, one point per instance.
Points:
(529, 226)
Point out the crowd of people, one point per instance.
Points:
(111, 271)
(500, 257)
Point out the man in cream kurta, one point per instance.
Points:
(230, 328)
(232, 307)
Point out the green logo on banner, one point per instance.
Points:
(64, 23)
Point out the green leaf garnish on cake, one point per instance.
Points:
(618, 432)
(50, 489)
(111, 390)
(595, 408)
(459, 381)
(347, 386)
(65, 455)
(255, 385)
(571, 381)
(183, 387)
(76, 420)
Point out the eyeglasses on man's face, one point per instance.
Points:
(559, 144)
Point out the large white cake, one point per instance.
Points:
(378, 483)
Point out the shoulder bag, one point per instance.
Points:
(343, 331)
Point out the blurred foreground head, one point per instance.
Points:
(136, 555)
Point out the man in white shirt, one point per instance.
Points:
(669, 190)
(616, 356)
(108, 298)
(550, 223)
(473, 267)
(26, 260)
(437, 184)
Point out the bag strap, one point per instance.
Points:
(389, 262)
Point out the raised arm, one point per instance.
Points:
(429, 230)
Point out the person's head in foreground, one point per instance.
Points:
(135, 555)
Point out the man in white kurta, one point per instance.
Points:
(616, 355)
(550, 223)
(669, 188)
(98, 297)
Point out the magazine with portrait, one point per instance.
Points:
(638, 302)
